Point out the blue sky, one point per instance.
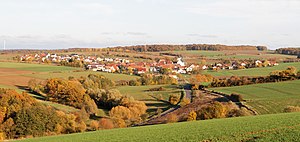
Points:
(50, 24)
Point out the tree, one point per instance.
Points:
(213, 110)
(69, 92)
(174, 99)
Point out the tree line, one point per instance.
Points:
(165, 47)
(89, 94)
(275, 76)
(288, 51)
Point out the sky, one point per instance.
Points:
(58, 24)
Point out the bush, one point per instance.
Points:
(213, 110)
(235, 97)
(157, 89)
(238, 112)
(184, 102)
(171, 118)
(174, 99)
(192, 116)
(292, 109)
(105, 123)
(94, 125)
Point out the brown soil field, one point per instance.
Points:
(13, 77)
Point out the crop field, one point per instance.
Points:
(274, 127)
(269, 97)
(263, 71)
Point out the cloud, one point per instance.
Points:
(136, 33)
(95, 7)
(125, 33)
(59, 41)
(245, 8)
(203, 36)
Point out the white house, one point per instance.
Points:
(180, 62)
(257, 62)
(204, 67)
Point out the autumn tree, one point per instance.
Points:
(174, 99)
(70, 93)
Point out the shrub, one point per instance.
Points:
(236, 97)
(171, 118)
(120, 123)
(292, 109)
(192, 116)
(94, 125)
(105, 123)
(213, 110)
(238, 112)
(174, 99)
(185, 101)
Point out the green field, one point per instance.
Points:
(35, 67)
(149, 97)
(66, 74)
(263, 71)
(269, 97)
(141, 93)
(275, 127)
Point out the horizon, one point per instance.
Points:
(67, 24)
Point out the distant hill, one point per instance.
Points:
(211, 47)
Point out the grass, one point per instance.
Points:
(275, 128)
(264, 71)
(35, 67)
(269, 97)
(67, 74)
(141, 93)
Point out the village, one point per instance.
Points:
(127, 66)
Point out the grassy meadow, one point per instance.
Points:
(268, 97)
(149, 97)
(35, 67)
(77, 74)
(275, 128)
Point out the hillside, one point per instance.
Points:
(275, 127)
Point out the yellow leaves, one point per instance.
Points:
(192, 116)
(174, 99)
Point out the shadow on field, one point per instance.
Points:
(158, 99)
(32, 93)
